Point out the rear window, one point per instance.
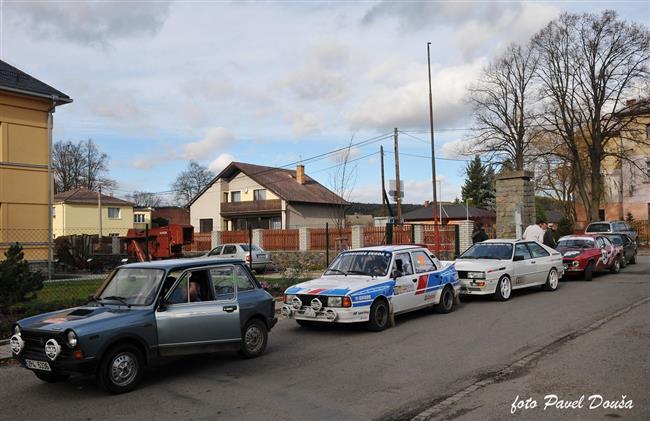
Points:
(600, 227)
(616, 239)
(245, 247)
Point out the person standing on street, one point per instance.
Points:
(535, 232)
(479, 235)
(549, 239)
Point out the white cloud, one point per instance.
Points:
(340, 155)
(456, 149)
(304, 123)
(221, 162)
(215, 139)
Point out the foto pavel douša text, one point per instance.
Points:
(583, 402)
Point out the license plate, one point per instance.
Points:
(261, 256)
(38, 365)
(309, 312)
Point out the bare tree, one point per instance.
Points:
(80, 164)
(342, 182)
(190, 182)
(589, 64)
(145, 199)
(502, 107)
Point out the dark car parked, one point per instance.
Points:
(145, 312)
(620, 227)
(630, 247)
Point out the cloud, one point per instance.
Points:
(340, 156)
(215, 139)
(116, 104)
(89, 23)
(456, 149)
(415, 191)
(221, 162)
(144, 163)
(304, 124)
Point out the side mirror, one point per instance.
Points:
(162, 305)
(518, 258)
(395, 274)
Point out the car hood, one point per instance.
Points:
(480, 264)
(78, 318)
(572, 251)
(335, 285)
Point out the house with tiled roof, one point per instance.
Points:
(78, 211)
(247, 195)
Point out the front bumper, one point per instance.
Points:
(473, 287)
(569, 266)
(86, 366)
(327, 314)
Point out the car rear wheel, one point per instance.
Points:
(589, 271)
(378, 315)
(121, 369)
(51, 377)
(552, 280)
(616, 266)
(254, 339)
(504, 289)
(446, 304)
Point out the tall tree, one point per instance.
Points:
(479, 184)
(342, 182)
(80, 164)
(589, 65)
(190, 182)
(501, 102)
(145, 199)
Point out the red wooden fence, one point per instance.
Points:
(280, 239)
(234, 236)
(446, 233)
(338, 238)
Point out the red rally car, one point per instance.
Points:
(586, 254)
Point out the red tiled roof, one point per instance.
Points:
(85, 196)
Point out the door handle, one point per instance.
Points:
(229, 309)
(532, 262)
(414, 280)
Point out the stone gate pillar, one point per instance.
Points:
(515, 203)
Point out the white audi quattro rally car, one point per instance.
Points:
(369, 284)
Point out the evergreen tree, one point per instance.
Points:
(479, 185)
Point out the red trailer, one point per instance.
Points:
(159, 243)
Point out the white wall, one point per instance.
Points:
(208, 205)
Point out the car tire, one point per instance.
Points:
(616, 266)
(633, 259)
(254, 338)
(306, 323)
(589, 272)
(446, 304)
(504, 289)
(51, 377)
(121, 369)
(552, 280)
(379, 315)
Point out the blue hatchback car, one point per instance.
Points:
(144, 312)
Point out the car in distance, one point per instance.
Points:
(630, 248)
(586, 254)
(145, 312)
(261, 258)
(497, 267)
(369, 285)
(621, 227)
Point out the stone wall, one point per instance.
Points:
(515, 191)
(309, 260)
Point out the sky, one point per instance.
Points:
(159, 83)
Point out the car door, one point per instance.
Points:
(541, 262)
(229, 250)
(190, 325)
(605, 253)
(404, 297)
(215, 251)
(524, 269)
(428, 281)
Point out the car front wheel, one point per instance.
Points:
(504, 289)
(552, 280)
(616, 266)
(589, 272)
(379, 313)
(121, 369)
(254, 339)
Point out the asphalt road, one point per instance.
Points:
(348, 373)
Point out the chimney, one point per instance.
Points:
(300, 174)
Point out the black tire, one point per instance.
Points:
(548, 286)
(499, 294)
(446, 304)
(132, 363)
(589, 272)
(379, 315)
(306, 323)
(254, 338)
(616, 266)
(633, 259)
(51, 377)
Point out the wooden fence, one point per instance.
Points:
(446, 234)
(280, 239)
(339, 239)
(234, 236)
(643, 229)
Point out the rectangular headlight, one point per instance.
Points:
(476, 275)
(335, 301)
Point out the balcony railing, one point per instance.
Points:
(253, 206)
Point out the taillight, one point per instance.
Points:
(248, 258)
(347, 302)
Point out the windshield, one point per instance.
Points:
(601, 227)
(500, 251)
(578, 243)
(132, 286)
(616, 239)
(371, 263)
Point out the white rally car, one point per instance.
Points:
(370, 284)
(497, 267)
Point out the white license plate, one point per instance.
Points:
(261, 256)
(38, 365)
(309, 312)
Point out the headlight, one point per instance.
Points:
(335, 301)
(71, 339)
(476, 275)
(288, 298)
(16, 330)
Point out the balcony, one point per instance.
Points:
(251, 207)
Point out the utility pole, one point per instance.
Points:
(383, 185)
(99, 208)
(397, 181)
(433, 154)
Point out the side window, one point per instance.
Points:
(422, 262)
(244, 282)
(215, 251)
(229, 249)
(600, 242)
(179, 295)
(404, 264)
(194, 287)
(223, 279)
(522, 250)
(536, 250)
(606, 241)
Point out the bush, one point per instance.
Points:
(629, 218)
(564, 227)
(17, 282)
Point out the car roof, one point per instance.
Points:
(581, 237)
(506, 240)
(181, 263)
(392, 248)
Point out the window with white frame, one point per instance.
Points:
(113, 213)
(138, 218)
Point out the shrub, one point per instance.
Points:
(629, 217)
(17, 282)
(564, 227)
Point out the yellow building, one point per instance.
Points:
(77, 212)
(142, 218)
(26, 108)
